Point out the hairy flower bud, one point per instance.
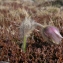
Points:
(27, 26)
(52, 33)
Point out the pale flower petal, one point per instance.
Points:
(52, 33)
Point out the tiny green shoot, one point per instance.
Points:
(24, 44)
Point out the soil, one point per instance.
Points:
(37, 50)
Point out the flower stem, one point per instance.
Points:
(24, 44)
(38, 24)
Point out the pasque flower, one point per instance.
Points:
(51, 33)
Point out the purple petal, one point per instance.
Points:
(52, 33)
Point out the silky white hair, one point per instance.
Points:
(27, 26)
